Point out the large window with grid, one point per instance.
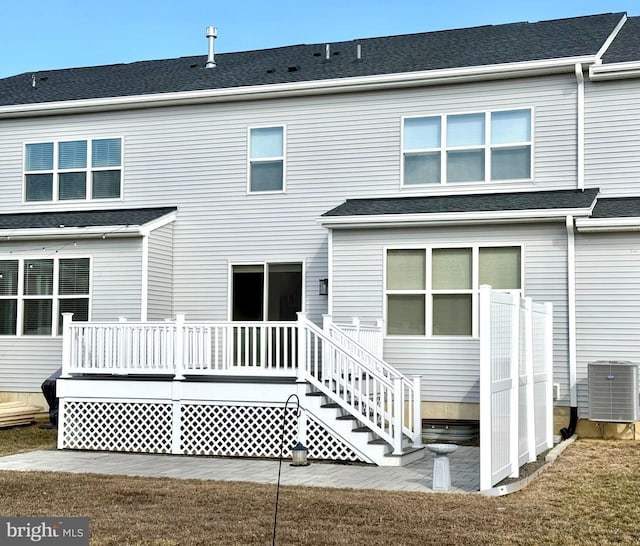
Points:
(434, 291)
(73, 170)
(475, 147)
(35, 292)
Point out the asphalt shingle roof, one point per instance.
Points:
(626, 46)
(88, 218)
(617, 207)
(488, 202)
(477, 46)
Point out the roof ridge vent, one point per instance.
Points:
(212, 34)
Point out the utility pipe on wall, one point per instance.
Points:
(571, 311)
(580, 127)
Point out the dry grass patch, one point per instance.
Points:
(26, 438)
(589, 496)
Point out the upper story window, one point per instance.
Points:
(35, 292)
(266, 159)
(456, 148)
(73, 170)
(435, 291)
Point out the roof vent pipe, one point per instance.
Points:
(212, 34)
(327, 52)
(359, 51)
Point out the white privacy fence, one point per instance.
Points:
(516, 369)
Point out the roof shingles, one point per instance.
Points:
(478, 46)
(78, 219)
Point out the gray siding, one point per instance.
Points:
(115, 291)
(160, 283)
(612, 137)
(608, 300)
(338, 147)
(449, 366)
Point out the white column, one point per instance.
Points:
(303, 364)
(398, 406)
(66, 345)
(417, 411)
(179, 356)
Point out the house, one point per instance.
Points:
(400, 173)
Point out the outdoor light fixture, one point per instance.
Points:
(299, 455)
(324, 287)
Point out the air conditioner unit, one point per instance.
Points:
(613, 391)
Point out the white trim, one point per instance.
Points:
(610, 39)
(334, 85)
(608, 224)
(428, 291)
(486, 147)
(282, 158)
(92, 232)
(20, 297)
(152, 225)
(265, 288)
(88, 170)
(385, 220)
(330, 272)
(614, 71)
(144, 278)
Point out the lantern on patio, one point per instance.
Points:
(299, 455)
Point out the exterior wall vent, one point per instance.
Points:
(613, 391)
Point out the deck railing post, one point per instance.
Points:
(66, 345)
(121, 351)
(301, 357)
(326, 354)
(179, 354)
(417, 411)
(380, 338)
(398, 406)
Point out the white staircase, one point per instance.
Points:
(357, 435)
(373, 408)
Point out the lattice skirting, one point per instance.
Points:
(117, 426)
(204, 429)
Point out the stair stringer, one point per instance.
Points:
(358, 442)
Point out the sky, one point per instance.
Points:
(41, 35)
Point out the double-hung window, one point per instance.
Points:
(266, 159)
(73, 170)
(434, 291)
(475, 147)
(35, 292)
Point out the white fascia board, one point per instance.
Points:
(611, 38)
(614, 71)
(158, 223)
(402, 220)
(607, 224)
(93, 232)
(336, 85)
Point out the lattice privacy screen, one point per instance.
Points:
(323, 444)
(205, 429)
(117, 426)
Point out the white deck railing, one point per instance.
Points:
(332, 361)
(362, 384)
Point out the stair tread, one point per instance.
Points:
(315, 393)
(347, 417)
(406, 451)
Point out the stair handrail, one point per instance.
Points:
(412, 385)
(374, 399)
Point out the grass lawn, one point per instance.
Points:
(588, 496)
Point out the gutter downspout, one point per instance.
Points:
(144, 278)
(580, 126)
(571, 312)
